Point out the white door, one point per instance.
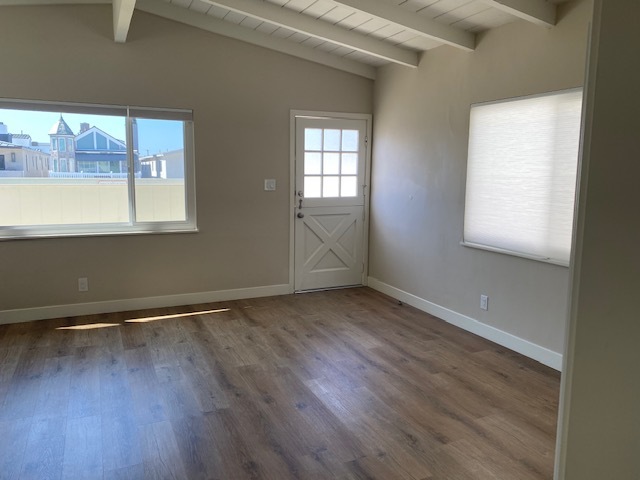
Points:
(329, 202)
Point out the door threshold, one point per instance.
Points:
(324, 289)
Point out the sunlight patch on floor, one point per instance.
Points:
(175, 315)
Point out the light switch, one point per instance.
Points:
(269, 184)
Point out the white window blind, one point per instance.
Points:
(521, 175)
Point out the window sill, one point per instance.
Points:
(111, 231)
(553, 261)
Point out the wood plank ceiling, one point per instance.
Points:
(352, 35)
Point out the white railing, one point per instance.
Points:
(88, 175)
(11, 173)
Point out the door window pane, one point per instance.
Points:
(313, 139)
(349, 164)
(313, 187)
(332, 140)
(349, 187)
(331, 164)
(331, 187)
(312, 163)
(349, 140)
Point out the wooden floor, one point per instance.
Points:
(344, 384)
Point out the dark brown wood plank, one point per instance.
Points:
(147, 405)
(83, 449)
(160, 452)
(53, 397)
(84, 384)
(120, 441)
(24, 386)
(13, 443)
(45, 449)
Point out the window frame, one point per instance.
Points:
(501, 250)
(132, 227)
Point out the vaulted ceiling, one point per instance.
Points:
(352, 35)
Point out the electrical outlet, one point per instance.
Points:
(484, 302)
(269, 184)
(83, 284)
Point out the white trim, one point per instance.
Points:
(584, 159)
(70, 310)
(292, 196)
(541, 354)
(489, 248)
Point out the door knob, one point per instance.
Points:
(300, 215)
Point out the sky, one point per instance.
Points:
(154, 136)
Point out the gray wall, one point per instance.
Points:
(241, 96)
(421, 121)
(600, 431)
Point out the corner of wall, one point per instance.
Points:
(536, 352)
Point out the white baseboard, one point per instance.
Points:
(541, 354)
(58, 311)
(531, 350)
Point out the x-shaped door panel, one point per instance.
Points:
(338, 242)
(331, 240)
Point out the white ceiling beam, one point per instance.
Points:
(122, 13)
(540, 12)
(227, 29)
(284, 17)
(418, 24)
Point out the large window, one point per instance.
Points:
(521, 175)
(80, 189)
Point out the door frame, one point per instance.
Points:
(292, 183)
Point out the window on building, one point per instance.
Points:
(98, 191)
(13, 157)
(521, 175)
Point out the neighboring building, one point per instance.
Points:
(92, 151)
(20, 161)
(62, 142)
(42, 146)
(163, 165)
(98, 152)
(5, 136)
(20, 139)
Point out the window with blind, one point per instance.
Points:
(521, 175)
(100, 170)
